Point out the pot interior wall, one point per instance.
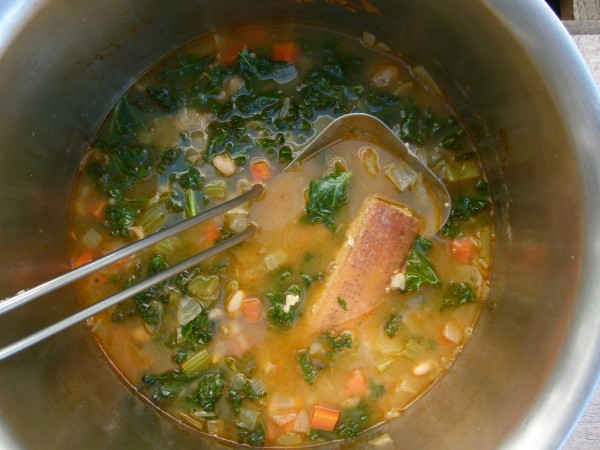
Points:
(66, 62)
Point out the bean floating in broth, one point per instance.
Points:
(271, 343)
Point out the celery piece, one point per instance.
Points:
(384, 365)
(413, 350)
(197, 361)
(205, 287)
(191, 205)
(216, 189)
(167, 246)
(152, 218)
(275, 260)
(455, 171)
(402, 176)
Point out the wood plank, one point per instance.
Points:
(586, 9)
(579, 27)
(566, 10)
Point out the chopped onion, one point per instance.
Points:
(246, 419)
(275, 260)
(187, 310)
(368, 39)
(382, 47)
(453, 332)
(381, 440)
(91, 238)
(401, 175)
(281, 402)
(425, 77)
(288, 439)
(393, 413)
(301, 425)
(259, 386)
(216, 427)
(285, 73)
(315, 348)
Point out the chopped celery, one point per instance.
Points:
(275, 260)
(152, 218)
(413, 350)
(216, 189)
(205, 287)
(461, 170)
(402, 176)
(167, 246)
(370, 160)
(191, 205)
(384, 365)
(197, 361)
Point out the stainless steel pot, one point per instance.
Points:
(509, 69)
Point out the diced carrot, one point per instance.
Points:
(81, 259)
(463, 250)
(211, 233)
(273, 430)
(251, 309)
(324, 418)
(260, 170)
(287, 51)
(356, 384)
(98, 207)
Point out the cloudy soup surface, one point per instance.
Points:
(348, 302)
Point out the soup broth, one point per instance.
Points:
(227, 347)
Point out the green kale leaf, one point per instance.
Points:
(325, 196)
(353, 421)
(392, 324)
(418, 267)
(118, 219)
(456, 294)
(280, 315)
(199, 331)
(210, 389)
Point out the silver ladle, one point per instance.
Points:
(368, 128)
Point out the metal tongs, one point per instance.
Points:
(28, 295)
(349, 126)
